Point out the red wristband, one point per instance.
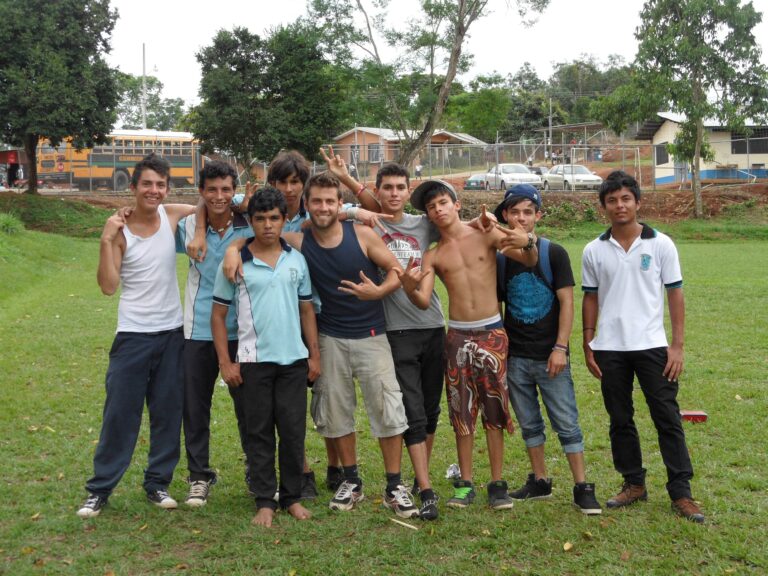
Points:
(360, 191)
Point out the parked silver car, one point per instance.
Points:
(571, 177)
(502, 176)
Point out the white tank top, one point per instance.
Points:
(149, 298)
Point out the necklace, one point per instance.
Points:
(220, 230)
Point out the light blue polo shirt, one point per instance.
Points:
(267, 302)
(198, 294)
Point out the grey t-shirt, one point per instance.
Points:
(408, 238)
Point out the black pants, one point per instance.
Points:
(619, 370)
(201, 369)
(275, 397)
(419, 357)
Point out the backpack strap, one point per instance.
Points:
(545, 267)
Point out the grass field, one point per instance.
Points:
(56, 329)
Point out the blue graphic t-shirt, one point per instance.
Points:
(532, 309)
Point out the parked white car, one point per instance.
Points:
(502, 176)
(571, 177)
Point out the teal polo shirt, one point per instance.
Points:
(267, 303)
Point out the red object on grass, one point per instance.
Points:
(694, 416)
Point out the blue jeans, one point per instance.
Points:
(524, 375)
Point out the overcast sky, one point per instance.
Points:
(174, 30)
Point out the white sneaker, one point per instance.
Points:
(348, 494)
(401, 502)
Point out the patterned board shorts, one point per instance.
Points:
(476, 376)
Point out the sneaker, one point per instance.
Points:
(162, 499)
(584, 499)
(533, 489)
(198, 493)
(498, 497)
(401, 502)
(463, 494)
(348, 494)
(686, 508)
(308, 486)
(92, 506)
(630, 493)
(428, 510)
(334, 478)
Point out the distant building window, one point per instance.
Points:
(758, 142)
(374, 152)
(662, 155)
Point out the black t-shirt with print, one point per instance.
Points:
(532, 309)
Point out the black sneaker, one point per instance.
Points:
(463, 494)
(533, 489)
(498, 498)
(348, 494)
(92, 506)
(428, 510)
(334, 478)
(584, 499)
(308, 486)
(162, 499)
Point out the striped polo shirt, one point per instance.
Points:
(198, 294)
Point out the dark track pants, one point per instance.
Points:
(142, 367)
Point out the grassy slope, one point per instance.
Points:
(56, 329)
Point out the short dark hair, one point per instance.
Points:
(436, 191)
(322, 180)
(266, 199)
(617, 180)
(217, 169)
(286, 163)
(392, 169)
(151, 162)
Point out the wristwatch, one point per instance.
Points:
(530, 242)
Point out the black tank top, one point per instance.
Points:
(343, 315)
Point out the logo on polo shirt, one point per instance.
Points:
(645, 262)
(294, 276)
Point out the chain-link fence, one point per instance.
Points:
(462, 160)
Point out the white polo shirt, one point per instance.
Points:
(630, 289)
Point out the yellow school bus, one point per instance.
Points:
(111, 165)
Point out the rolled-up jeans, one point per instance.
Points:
(526, 378)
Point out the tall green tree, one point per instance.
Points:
(431, 45)
(54, 81)
(699, 58)
(162, 113)
(482, 111)
(259, 95)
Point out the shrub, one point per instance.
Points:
(9, 224)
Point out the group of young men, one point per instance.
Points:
(300, 294)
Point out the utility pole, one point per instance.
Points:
(143, 86)
(549, 140)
